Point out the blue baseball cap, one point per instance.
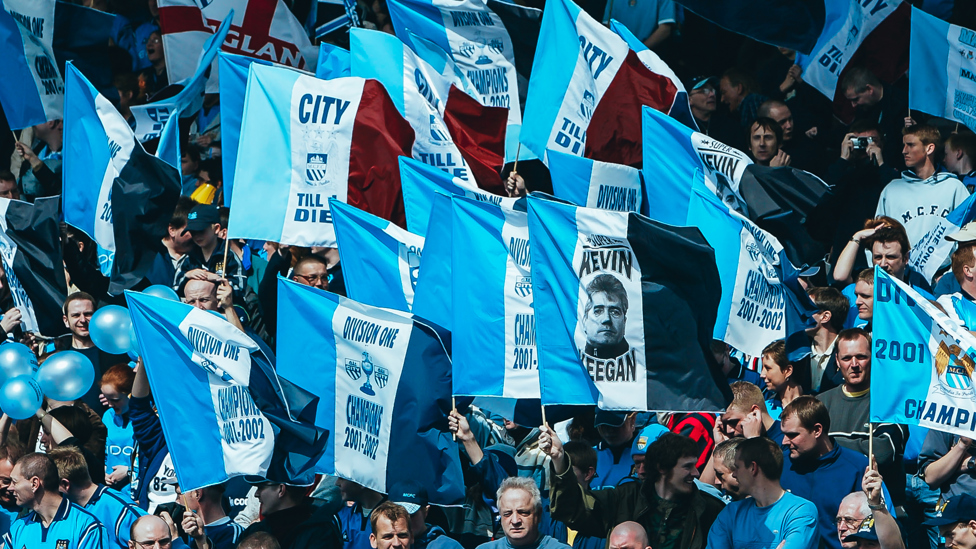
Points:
(960, 508)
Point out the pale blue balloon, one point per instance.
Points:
(165, 292)
(21, 397)
(109, 329)
(67, 375)
(16, 359)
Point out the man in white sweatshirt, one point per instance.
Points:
(924, 194)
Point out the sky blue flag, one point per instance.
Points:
(625, 327)
(151, 118)
(942, 78)
(209, 374)
(420, 181)
(233, 84)
(676, 156)
(480, 45)
(932, 250)
(595, 184)
(33, 90)
(762, 300)
(493, 331)
(927, 359)
(379, 260)
(168, 148)
(389, 376)
(432, 298)
(333, 62)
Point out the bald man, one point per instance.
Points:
(629, 535)
(149, 529)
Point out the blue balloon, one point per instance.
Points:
(16, 359)
(65, 376)
(109, 329)
(133, 342)
(165, 292)
(21, 397)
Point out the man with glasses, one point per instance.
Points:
(152, 532)
(850, 515)
(53, 521)
(703, 98)
(313, 271)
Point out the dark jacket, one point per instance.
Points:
(151, 443)
(596, 513)
(305, 526)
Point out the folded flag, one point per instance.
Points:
(493, 331)
(595, 184)
(233, 85)
(336, 138)
(932, 250)
(82, 35)
(762, 300)
(927, 359)
(420, 182)
(150, 119)
(33, 90)
(247, 421)
(30, 249)
(389, 376)
(870, 33)
(333, 62)
(675, 156)
(379, 260)
(264, 29)
(942, 72)
(101, 154)
(443, 118)
(793, 24)
(433, 295)
(481, 45)
(589, 104)
(627, 327)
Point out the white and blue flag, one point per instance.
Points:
(420, 182)
(931, 251)
(928, 362)
(675, 157)
(479, 43)
(493, 332)
(33, 90)
(389, 377)
(151, 118)
(626, 326)
(942, 69)
(595, 184)
(380, 261)
(762, 300)
(433, 296)
(246, 420)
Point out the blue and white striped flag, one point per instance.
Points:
(627, 326)
(246, 421)
(927, 359)
(389, 376)
(493, 332)
(931, 251)
(433, 296)
(942, 69)
(675, 156)
(420, 182)
(379, 260)
(233, 84)
(33, 90)
(595, 184)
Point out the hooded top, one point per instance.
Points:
(919, 204)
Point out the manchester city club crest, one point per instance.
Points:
(523, 286)
(319, 146)
(356, 368)
(955, 370)
(587, 105)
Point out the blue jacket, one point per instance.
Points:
(826, 481)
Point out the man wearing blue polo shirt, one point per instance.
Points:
(53, 522)
(108, 505)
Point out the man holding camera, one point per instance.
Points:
(858, 177)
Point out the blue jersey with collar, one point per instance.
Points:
(115, 513)
(119, 441)
(222, 533)
(72, 528)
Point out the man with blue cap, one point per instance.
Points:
(412, 496)
(956, 519)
